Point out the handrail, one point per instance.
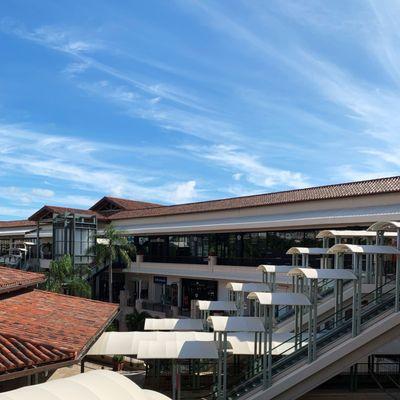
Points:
(341, 326)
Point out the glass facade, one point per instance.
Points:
(237, 248)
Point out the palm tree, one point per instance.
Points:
(109, 247)
(63, 277)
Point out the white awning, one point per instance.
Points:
(236, 324)
(277, 269)
(94, 385)
(307, 250)
(205, 305)
(127, 343)
(364, 249)
(385, 226)
(242, 343)
(46, 232)
(280, 299)
(313, 273)
(177, 350)
(247, 287)
(173, 324)
(333, 233)
(14, 232)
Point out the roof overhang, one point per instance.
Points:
(313, 273)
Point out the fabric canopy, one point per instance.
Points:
(173, 324)
(307, 250)
(205, 305)
(385, 226)
(313, 273)
(247, 287)
(177, 350)
(94, 385)
(364, 249)
(236, 324)
(280, 299)
(277, 269)
(333, 233)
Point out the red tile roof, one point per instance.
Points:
(13, 279)
(17, 354)
(122, 204)
(338, 191)
(17, 224)
(45, 325)
(48, 210)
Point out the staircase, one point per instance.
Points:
(337, 350)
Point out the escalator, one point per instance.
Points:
(336, 350)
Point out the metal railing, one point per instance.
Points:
(335, 326)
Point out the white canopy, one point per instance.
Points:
(307, 250)
(173, 324)
(242, 343)
(236, 324)
(174, 350)
(247, 287)
(127, 343)
(94, 385)
(205, 305)
(313, 273)
(333, 233)
(385, 226)
(280, 299)
(365, 249)
(277, 269)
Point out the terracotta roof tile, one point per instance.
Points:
(343, 190)
(13, 279)
(17, 224)
(55, 209)
(66, 323)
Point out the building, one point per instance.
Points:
(190, 251)
(42, 331)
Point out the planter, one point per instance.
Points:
(118, 365)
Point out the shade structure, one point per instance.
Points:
(242, 343)
(247, 287)
(236, 324)
(118, 343)
(177, 350)
(127, 343)
(94, 385)
(392, 226)
(173, 324)
(280, 299)
(334, 233)
(205, 305)
(364, 249)
(275, 269)
(314, 273)
(307, 250)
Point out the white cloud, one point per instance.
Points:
(250, 167)
(183, 192)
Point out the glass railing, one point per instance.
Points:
(333, 327)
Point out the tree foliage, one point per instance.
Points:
(135, 321)
(112, 247)
(63, 277)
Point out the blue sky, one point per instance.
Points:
(179, 101)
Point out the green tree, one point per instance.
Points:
(63, 277)
(110, 247)
(135, 321)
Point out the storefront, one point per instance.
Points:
(195, 289)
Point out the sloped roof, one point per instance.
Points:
(123, 204)
(337, 191)
(13, 279)
(52, 324)
(17, 224)
(49, 210)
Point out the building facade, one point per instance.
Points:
(191, 251)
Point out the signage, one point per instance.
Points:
(161, 280)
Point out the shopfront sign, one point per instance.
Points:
(161, 280)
